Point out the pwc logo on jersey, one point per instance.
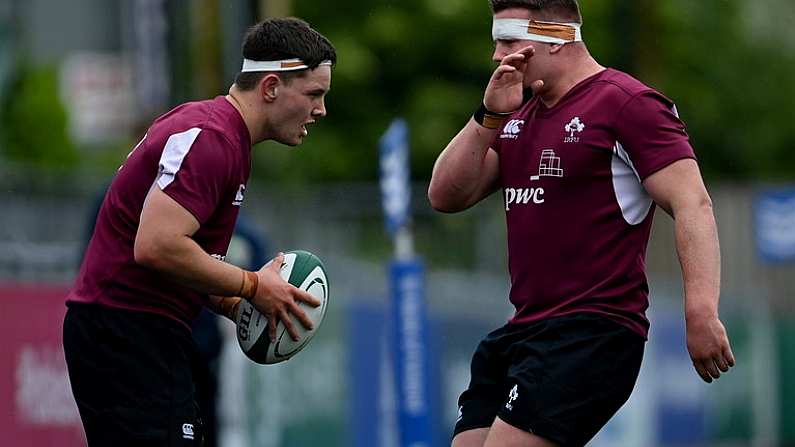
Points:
(523, 196)
(241, 193)
(512, 129)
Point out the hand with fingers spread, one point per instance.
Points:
(505, 90)
(277, 299)
(709, 348)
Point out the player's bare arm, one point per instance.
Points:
(226, 306)
(164, 243)
(465, 172)
(467, 169)
(680, 191)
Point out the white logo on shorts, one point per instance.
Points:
(187, 431)
(512, 396)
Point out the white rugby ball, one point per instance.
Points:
(305, 271)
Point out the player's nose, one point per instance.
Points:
(320, 109)
(498, 54)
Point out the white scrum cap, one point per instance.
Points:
(546, 32)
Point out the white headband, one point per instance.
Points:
(283, 65)
(547, 32)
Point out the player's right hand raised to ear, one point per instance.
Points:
(505, 91)
(277, 299)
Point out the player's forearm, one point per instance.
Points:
(184, 261)
(458, 171)
(224, 305)
(699, 256)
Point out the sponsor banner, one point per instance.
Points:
(410, 353)
(774, 221)
(36, 403)
(395, 187)
(373, 404)
(98, 93)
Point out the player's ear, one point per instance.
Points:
(269, 87)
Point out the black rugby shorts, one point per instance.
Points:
(132, 375)
(561, 379)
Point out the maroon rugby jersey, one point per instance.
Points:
(200, 155)
(578, 216)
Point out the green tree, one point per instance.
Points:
(428, 61)
(34, 125)
(733, 88)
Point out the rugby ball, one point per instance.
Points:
(305, 271)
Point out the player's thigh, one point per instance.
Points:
(475, 437)
(502, 434)
(479, 403)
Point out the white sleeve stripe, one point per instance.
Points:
(174, 153)
(632, 198)
(619, 150)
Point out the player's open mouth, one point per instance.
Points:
(304, 131)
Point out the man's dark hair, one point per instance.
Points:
(283, 38)
(567, 10)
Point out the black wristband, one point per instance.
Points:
(489, 119)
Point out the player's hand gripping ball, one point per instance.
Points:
(305, 271)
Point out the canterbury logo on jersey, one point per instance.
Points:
(512, 129)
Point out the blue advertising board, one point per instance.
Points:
(410, 353)
(395, 187)
(774, 225)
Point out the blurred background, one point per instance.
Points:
(81, 80)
